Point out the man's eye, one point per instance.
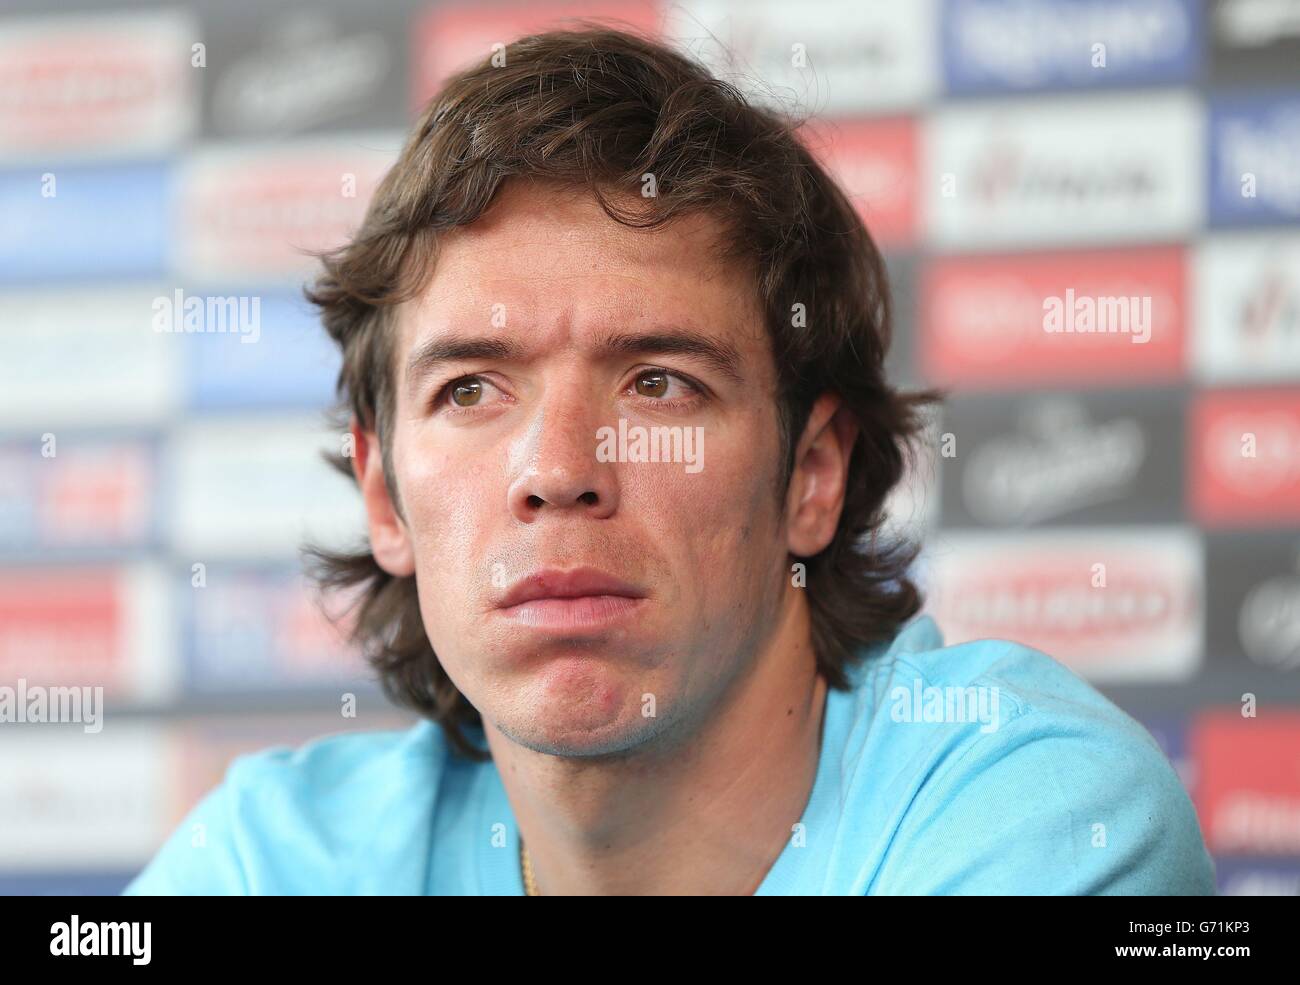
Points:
(656, 383)
(465, 392)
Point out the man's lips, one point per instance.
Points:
(579, 601)
(574, 583)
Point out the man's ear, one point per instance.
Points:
(389, 541)
(821, 468)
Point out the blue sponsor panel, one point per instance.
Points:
(251, 628)
(1254, 159)
(1258, 876)
(993, 46)
(1170, 734)
(74, 223)
(79, 495)
(65, 883)
(283, 359)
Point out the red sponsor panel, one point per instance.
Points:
(1084, 318)
(453, 37)
(61, 626)
(1245, 457)
(87, 626)
(1248, 786)
(875, 162)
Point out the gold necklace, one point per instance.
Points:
(526, 864)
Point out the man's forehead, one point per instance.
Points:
(554, 231)
(552, 277)
(581, 320)
(563, 296)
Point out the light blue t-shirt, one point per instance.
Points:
(981, 768)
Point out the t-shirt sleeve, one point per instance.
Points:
(1049, 806)
(201, 857)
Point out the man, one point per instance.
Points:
(613, 347)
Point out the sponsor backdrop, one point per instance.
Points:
(1091, 212)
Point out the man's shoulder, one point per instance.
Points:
(919, 673)
(987, 738)
(1039, 710)
(341, 789)
(339, 762)
(304, 819)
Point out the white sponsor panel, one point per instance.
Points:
(74, 801)
(827, 56)
(258, 488)
(1116, 605)
(1083, 170)
(150, 634)
(96, 87)
(1247, 314)
(86, 357)
(248, 213)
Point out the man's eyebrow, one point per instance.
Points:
(429, 354)
(719, 355)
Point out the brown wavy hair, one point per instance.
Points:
(602, 108)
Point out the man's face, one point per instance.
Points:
(534, 333)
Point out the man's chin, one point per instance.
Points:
(576, 736)
(580, 707)
(580, 698)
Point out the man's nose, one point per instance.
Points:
(561, 470)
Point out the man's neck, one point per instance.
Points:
(707, 816)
